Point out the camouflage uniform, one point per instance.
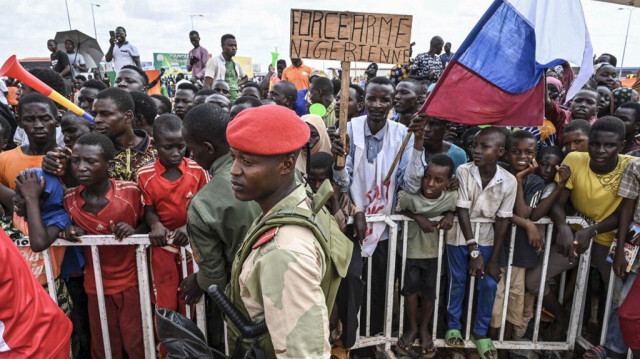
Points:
(284, 281)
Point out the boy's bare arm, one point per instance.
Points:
(544, 206)
(564, 244)
(626, 213)
(158, 234)
(499, 232)
(464, 221)
(533, 235)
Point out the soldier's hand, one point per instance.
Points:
(190, 290)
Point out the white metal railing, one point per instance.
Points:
(142, 244)
(387, 339)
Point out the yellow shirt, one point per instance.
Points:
(593, 195)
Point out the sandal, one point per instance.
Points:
(485, 347)
(404, 344)
(598, 352)
(428, 352)
(453, 338)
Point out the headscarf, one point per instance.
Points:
(555, 82)
(620, 96)
(323, 145)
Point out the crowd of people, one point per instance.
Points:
(254, 184)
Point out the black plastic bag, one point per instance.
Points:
(181, 337)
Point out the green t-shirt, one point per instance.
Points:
(422, 245)
(231, 78)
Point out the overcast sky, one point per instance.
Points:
(261, 26)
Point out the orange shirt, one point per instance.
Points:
(13, 162)
(299, 76)
(12, 96)
(171, 199)
(118, 263)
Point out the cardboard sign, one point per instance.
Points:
(350, 36)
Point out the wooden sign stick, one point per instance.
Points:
(398, 156)
(344, 108)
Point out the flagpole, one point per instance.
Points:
(624, 50)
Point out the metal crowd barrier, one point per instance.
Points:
(142, 243)
(390, 338)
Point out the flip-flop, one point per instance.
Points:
(403, 346)
(598, 352)
(428, 352)
(485, 347)
(453, 338)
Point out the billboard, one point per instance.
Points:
(173, 63)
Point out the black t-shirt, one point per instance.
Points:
(524, 256)
(59, 61)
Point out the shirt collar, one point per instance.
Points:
(497, 179)
(141, 147)
(219, 164)
(379, 135)
(160, 168)
(292, 200)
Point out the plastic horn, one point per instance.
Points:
(12, 68)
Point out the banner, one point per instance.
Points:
(350, 36)
(173, 63)
(247, 65)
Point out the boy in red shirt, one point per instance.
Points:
(100, 205)
(167, 187)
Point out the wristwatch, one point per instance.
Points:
(475, 253)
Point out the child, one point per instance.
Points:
(167, 187)
(5, 133)
(38, 116)
(521, 153)
(486, 192)
(100, 205)
(576, 136)
(145, 112)
(584, 106)
(422, 248)
(349, 295)
(74, 126)
(629, 113)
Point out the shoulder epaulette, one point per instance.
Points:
(266, 237)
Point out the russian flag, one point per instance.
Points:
(497, 75)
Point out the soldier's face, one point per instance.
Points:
(258, 178)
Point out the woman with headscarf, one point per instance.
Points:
(622, 95)
(318, 142)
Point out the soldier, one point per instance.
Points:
(288, 269)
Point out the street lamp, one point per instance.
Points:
(624, 50)
(192, 16)
(95, 33)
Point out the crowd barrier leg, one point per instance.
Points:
(145, 302)
(507, 283)
(48, 269)
(101, 306)
(543, 280)
(391, 266)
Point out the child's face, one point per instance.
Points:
(72, 128)
(435, 179)
(487, 149)
(575, 141)
(547, 167)
(171, 148)
(38, 122)
(605, 98)
(315, 136)
(553, 91)
(317, 176)
(89, 165)
(585, 105)
(521, 153)
(604, 147)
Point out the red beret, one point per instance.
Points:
(268, 130)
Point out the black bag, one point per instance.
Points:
(181, 337)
